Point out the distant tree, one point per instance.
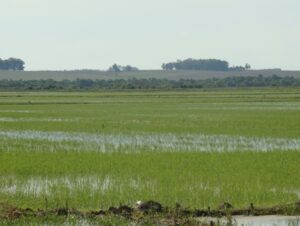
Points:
(119, 68)
(115, 68)
(12, 64)
(168, 66)
(240, 68)
(129, 68)
(194, 64)
(247, 66)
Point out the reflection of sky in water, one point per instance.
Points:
(135, 142)
(7, 119)
(39, 186)
(268, 221)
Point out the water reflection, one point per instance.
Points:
(268, 221)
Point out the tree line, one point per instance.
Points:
(188, 64)
(204, 65)
(151, 83)
(12, 64)
(201, 64)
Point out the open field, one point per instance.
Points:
(159, 74)
(95, 150)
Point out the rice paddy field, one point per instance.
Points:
(196, 148)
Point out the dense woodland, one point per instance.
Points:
(87, 84)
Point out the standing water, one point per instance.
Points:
(268, 220)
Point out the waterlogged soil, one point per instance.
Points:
(153, 213)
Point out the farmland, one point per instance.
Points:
(197, 148)
(142, 74)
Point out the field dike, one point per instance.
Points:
(135, 142)
(154, 211)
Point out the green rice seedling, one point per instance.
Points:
(199, 149)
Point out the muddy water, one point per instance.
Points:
(267, 220)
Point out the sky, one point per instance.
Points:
(94, 34)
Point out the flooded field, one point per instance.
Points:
(199, 149)
(132, 142)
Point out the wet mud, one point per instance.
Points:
(154, 210)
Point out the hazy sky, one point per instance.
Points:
(75, 34)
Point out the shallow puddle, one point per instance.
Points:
(7, 119)
(135, 142)
(267, 220)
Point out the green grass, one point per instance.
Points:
(35, 164)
